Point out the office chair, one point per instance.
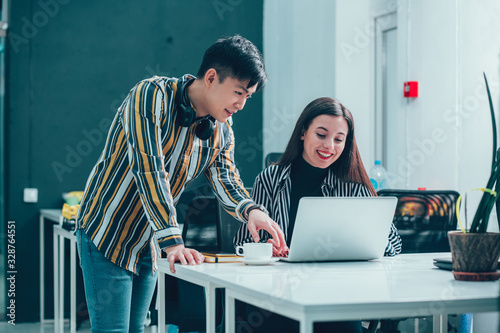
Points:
(423, 219)
(200, 228)
(227, 228)
(272, 158)
(208, 227)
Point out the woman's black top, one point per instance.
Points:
(306, 182)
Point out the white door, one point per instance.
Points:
(389, 120)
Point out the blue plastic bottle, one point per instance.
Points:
(378, 176)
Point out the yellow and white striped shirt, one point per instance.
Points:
(146, 163)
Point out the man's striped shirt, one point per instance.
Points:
(146, 163)
(273, 187)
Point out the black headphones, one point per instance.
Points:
(186, 114)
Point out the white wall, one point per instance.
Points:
(449, 45)
(354, 65)
(299, 51)
(326, 48)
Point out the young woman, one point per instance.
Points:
(321, 159)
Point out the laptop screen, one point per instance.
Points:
(336, 229)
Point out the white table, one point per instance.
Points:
(404, 286)
(60, 235)
(186, 275)
(52, 215)
(204, 275)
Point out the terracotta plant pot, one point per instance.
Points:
(475, 255)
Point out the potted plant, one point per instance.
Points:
(475, 252)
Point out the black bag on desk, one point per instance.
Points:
(423, 219)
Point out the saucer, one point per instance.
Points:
(259, 261)
(467, 276)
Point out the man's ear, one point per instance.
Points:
(211, 76)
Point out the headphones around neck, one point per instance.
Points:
(186, 114)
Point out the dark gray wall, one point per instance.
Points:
(70, 63)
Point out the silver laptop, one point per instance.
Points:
(337, 229)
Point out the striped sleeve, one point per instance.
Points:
(360, 190)
(142, 117)
(394, 244)
(225, 180)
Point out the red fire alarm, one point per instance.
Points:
(411, 89)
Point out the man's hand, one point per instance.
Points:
(184, 255)
(257, 220)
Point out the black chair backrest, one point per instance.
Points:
(272, 158)
(200, 229)
(228, 226)
(423, 219)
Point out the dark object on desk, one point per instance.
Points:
(68, 217)
(446, 264)
(69, 225)
(70, 209)
(443, 263)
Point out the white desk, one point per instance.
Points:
(186, 275)
(404, 286)
(60, 235)
(52, 215)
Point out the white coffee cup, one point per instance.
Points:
(255, 251)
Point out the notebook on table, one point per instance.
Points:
(341, 229)
(218, 257)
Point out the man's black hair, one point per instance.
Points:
(235, 57)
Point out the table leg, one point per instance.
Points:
(440, 323)
(306, 326)
(42, 270)
(160, 301)
(56, 283)
(61, 283)
(73, 287)
(210, 307)
(230, 312)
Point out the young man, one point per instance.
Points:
(167, 132)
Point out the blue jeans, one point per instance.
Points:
(117, 300)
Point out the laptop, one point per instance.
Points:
(341, 228)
